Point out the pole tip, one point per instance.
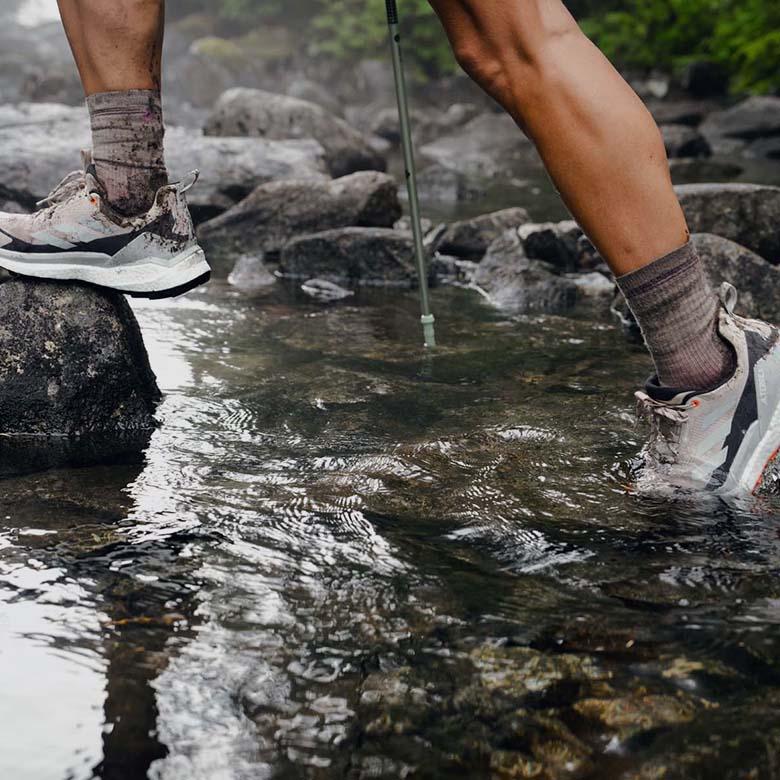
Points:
(429, 331)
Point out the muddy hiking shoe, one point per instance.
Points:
(723, 440)
(76, 236)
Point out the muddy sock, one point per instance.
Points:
(127, 147)
(677, 310)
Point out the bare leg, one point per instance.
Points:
(117, 43)
(598, 141)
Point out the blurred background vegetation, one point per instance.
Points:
(741, 36)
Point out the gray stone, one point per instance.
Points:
(594, 285)
(72, 362)
(554, 242)
(471, 237)
(306, 89)
(684, 141)
(325, 291)
(681, 112)
(353, 255)
(438, 184)
(746, 213)
(259, 114)
(250, 274)
(754, 117)
(490, 145)
(757, 282)
(518, 285)
(278, 211)
(768, 148)
(40, 143)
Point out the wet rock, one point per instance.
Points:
(684, 141)
(757, 281)
(516, 284)
(448, 269)
(439, 184)
(768, 148)
(705, 79)
(405, 224)
(72, 362)
(681, 112)
(472, 237)
(489, 146)
(325, 291)
(278, 211)
(755, 117)
(630, 716)
(259, 114)
(353, 255)
(595, 286)
(40, 143)
(554, 242)
(746, 213)
(250, 274)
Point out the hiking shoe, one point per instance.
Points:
(723, 440)
(77, 236)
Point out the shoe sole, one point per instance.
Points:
(151, 278)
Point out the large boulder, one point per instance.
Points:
(681, 112)
(353, 255)
(489, 146)
(684, 141)
(72, 362)
(746, 213)
(471, 237)
(755, 117)
(278, 211)
(518, 285)
(557, 243)
(40, 143)
(757, 281)
(260, 114)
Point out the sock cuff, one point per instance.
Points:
(126, 100)
(680, 261)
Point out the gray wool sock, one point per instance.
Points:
(677, 310)
(127, 147)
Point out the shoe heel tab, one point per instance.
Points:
(188, 182)
(728, 297)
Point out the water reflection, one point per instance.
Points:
(338, 559)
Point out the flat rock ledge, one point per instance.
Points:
(72, 364)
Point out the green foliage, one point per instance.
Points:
(353, 28)
(345, 29)
(742, 35)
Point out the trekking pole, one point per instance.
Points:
(427, 318)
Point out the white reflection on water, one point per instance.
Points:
(52, 703)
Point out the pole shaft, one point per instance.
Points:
(411, 175)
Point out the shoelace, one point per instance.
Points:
(73, 182)
(666, 422)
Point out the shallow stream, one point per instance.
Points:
(340, 557)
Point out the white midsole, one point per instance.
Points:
(150, 275)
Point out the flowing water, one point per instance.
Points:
(340, 557)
